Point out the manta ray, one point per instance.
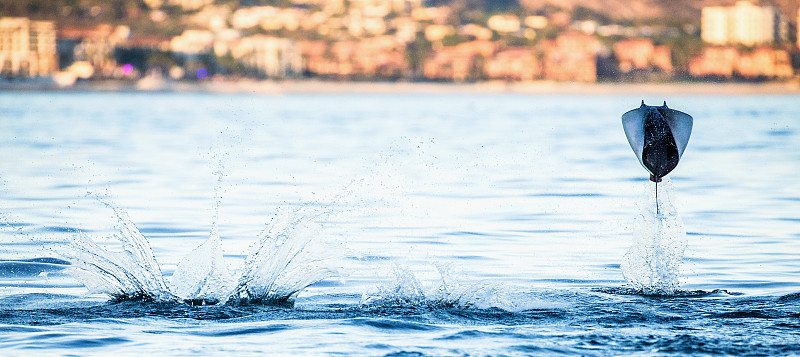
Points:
(658, 136)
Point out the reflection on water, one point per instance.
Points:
(436, 224)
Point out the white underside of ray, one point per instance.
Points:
(634, 130)
(680, 124)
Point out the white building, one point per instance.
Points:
(269, 56)
(714, 25)
(27, 48)
(189, 5)
(743, 23)
(193, 42)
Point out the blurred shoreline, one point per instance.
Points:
(269, 87)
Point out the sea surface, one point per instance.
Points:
(393, 224)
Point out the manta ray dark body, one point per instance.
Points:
(658, 136)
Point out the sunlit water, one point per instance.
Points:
(425, 224)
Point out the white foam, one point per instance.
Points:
(406, 289)
(652, 264)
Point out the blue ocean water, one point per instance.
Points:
(425, 224)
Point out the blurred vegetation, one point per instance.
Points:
(582, 13)
(416, 53)
(79, 10)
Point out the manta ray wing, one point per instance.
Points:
(680, 124)
(634, 130)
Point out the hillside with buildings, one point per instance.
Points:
(410, 40)
(653, 9)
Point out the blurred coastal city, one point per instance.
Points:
(149, 44)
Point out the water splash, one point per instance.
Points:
(652, 264)
(407, 290)
(202, 275)
(286, 259)
(131, 274)
(289, 256)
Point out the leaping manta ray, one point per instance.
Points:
(658, 137)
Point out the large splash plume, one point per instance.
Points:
(203, 275)
(652, 264)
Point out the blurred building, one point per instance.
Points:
(475, 31)
(381, 56)
(572, 57)
(268, 56)
(765, 62)
(714, 62)
(91, 45)
(406, 6)
(214, 18)
(714, 25)
(313, 54)
(462, 62)
(405, 29)
(437, 15)
(520, 64)
(743, 23)
(192, 42)
(373, 57)
(641, 54)
(327, 6)
(189, 5)
(435, 33)
(536, 22)
(503, 23)
(27, 48)
(728, 62)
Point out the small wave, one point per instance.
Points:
(15, 329)
(790, 297)
(405, 354)
(30, 267)
(475, 334)
(246, 330)
(407, 290)
(91, 342)
(48, 341)
(752, 314)
(675, 293)
(391, 324)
